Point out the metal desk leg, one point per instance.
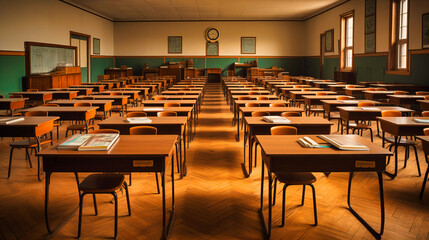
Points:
(184, 152)
(266, 226)
(395, 173)
(237, 137)
(376, 234)
(243, 165)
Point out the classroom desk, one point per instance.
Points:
(297, 96)
(355, 92)
(358, 114)
(311, 100)
(29, 127)
(425, 146)
(133, 95)
(377, 95)
(80, 91)
(241, 103)
(11, 104)
(120, 100)
(35, 96)
(257, 126)
(405, 99)
(341, 87)
(165, 126)
(400, 126)
(424, 105)
(191, 92)
(400, 86)
(156, 85)
(284, 154)
(68, 95)
(142, 92)
(231, 90)
(331, 105)
(285, 92)
(107, 85)
(129, 154)
(95, 88)
(324, 85)
(152, 88)
(68, 113)
(103, 105)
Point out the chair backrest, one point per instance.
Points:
(344, 98)
(422, 93)
(380, 89)
(252, 104)
(262, 98)
(136, 114)
(32, 90)
(16, 96)
(254, 93)
(167, 114)
(321, 94)
(297, 86)
(291, 114)
(426, 131)
(305, 89)
(400, 93)
(115, 94)
(172, 104)
(370, 89)
(290, 83)
(326, 80)
(426, 97)
(277, 105)
(50, 105)
(104, 131)
(260, 114)
(350, 86)
(159, 98)
(366, 104)
(254, 89)
(82, 104)
(283, 130)
(391, 113)
(143, 130)
(36, 114)
(244, 98)
(425, 114)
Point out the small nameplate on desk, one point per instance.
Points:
(153, 109)
(370, 108)
(365, 164)
(142, 163)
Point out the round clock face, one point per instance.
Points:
(212, 34)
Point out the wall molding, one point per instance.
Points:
(101, 56)
(419, 51)
(377, 54)
(179, 56)
(12, 53)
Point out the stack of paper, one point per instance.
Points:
(340, 143)
(139, 120)
(153, 109)
(348, 101)
(276, 119)
(74, 142)
(99, 142)
(10, 120)
(421, 120)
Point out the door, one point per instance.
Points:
(322, 56)
(81, 42)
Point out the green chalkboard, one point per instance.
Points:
(248, 45)
(45, 59)
(174, 44)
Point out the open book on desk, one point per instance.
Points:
(99, 142)
(342, 144)
(310, 143)
(138, 120)
(275, 119)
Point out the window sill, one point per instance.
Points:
(399, 72)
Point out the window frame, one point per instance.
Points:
(343, 45)
(395, 41)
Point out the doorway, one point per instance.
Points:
(322, 56)
(82, 42)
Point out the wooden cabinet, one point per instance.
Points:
(118, 72)
(170, 71)
(254, 72)
(43, 82)
(347, 77)
(214, 74)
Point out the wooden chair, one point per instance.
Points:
(254, 93)
(102, 184)
(425, 114)
(252, 104)
(422, 93)
(136, 114)
(157, 98)
(81, 127)
(32, 90)
(292, 178)
(403, 142)
(400, 93)
(29, 143)
(260, 114)
(425, 146)
(369, 89)
(56, 123)
(244, 98)
(167, 114)
(361, 126)
(172, 104)
(380, 89)
(277, 105)
(106, 130)
(291, 114)
(262, 98)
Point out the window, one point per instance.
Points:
(398, 49)
(347, 40)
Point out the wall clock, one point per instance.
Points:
(212, 34)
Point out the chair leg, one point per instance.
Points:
(425, 179)
(303, 195)
(407, 148)
(27, 155)
(115, 196)
(372, 139)
(10, 162)
(417, 160)
(128, 198)
(157, 183)
(79, 228)
(130, 180)
(177, 160)
(284, 205)
(275, 191)
(314, 204)
(95, 204)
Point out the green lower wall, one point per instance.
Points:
(98, 65)
(12, 69)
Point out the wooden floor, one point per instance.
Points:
(214, 201)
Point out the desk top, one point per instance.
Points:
(404, 121)
(155, 120)
(180, 97)
(60, 109)
(12, 99)
(421, 97)
(159, 109)
(310, 92)
(323, 97)
(300, 121)
(270, 109)
(28, 121)
(241, 102)
(71, 102)
(32, 93)
(151, 102)
(108, 97)
(352, 102)
(375, 109)
(256, 96)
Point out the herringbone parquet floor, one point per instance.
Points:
(214, 201)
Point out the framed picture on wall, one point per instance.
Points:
(370, 7)
(174, 44)
(212, 48)
(96, 46)
(425, 30)
(248, 45)
(329, 40)
(370, 43)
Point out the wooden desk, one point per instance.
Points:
(118, 72)
(400, 126)
(165, 126)
(324, 85)
(236, 104)
(80, 91)
(341, 87)
(11, 104)
(107, 85)
(355, 92)
(312, 100)
(401, 86)
(377, 95)
(135, 153)
(424, 105)
(297, 96)
(35, 96)
(29, 127)
(95, 88)
(132, 95)
(331, 105)
(171, 92)
(405, 99)
(284, 154)
(103, 105)
(425, 145)
(142, 92)
(68, 95)
(118, 100)
(152, 87)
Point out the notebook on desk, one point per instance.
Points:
(138, 120)
(275, 119)
(9, 120)
(343, 144)
(420, 120)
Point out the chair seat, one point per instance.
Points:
(402, 142)
(28, 143)
(296, 178)
(359, 125)
(100, 183)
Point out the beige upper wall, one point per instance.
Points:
(49, 21)
(331, 19)
(150, 38)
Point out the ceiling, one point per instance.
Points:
(205, 10)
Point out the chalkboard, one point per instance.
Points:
(45, 59)
(174, 44)
(248, 45)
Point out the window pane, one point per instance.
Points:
(402, 56)
(348, 57)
